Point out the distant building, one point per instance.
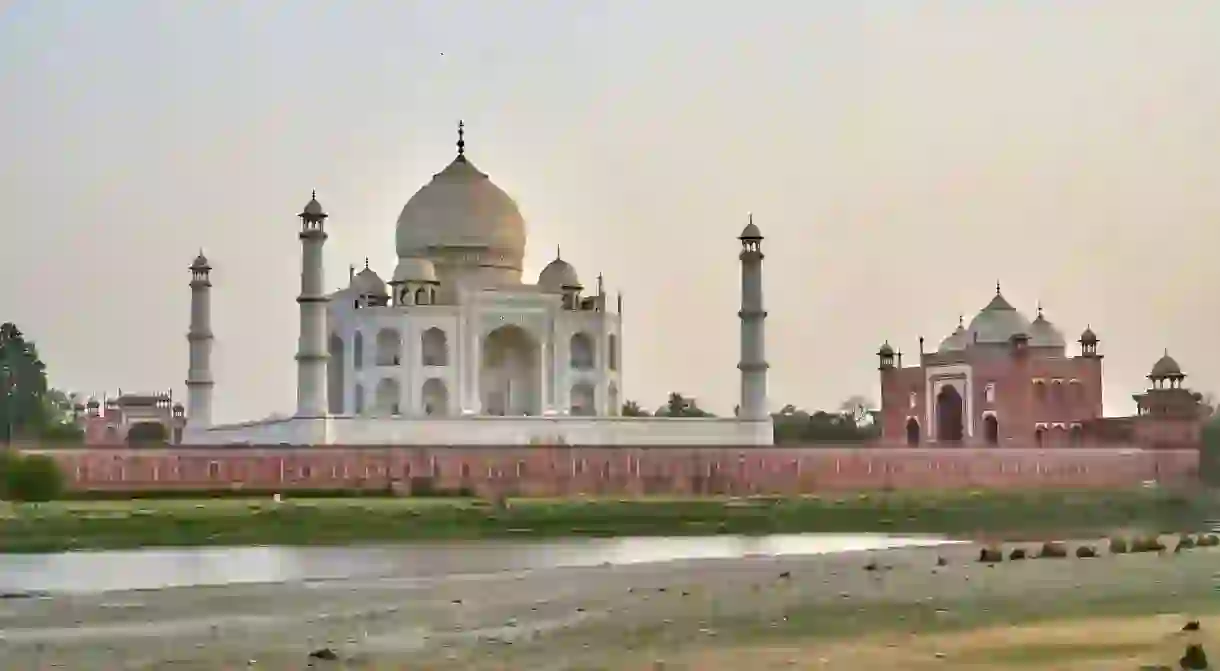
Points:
(128, 419)
(1005, 380)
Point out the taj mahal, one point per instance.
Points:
(457, 348)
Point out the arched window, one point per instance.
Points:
(991, 429)
(387, 397)
(435, 347)
(359, 401)
(581, 354)
(913, 431)
(421, 296)
(612, 404)
(358, 351)
(435, 397)
(389, 348)
(1039, 436)
(1076, 435)
(612, 352)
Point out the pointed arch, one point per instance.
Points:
(435, 397)
(434, 347)
(914, 432)
(387, 397)
(389, 347)
(991, 429)
(335, 372)
(580, 352)
(584, 400)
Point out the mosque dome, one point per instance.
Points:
(1088, 337)
(558, 275)
(368, 283)
(1042, 333)
(414, 269)
(313, 208)
(462, 208)
(997, 323)
(956, 341)
(1166, 366)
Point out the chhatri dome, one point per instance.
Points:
(462, 219)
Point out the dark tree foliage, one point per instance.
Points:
(33, 478)
(23, 383)
(849, 425)
(1209, 453)
(633, 409)
(681, 406)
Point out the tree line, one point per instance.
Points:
(854, 422)
(29, 408)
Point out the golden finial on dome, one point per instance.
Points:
(461, 143)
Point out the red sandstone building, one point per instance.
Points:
(1007, 381)
(131, 419)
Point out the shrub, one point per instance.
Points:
(1053, 550)
(1186, 542)
(1118, 546)
(1208, 540)
(1147, 544)
(991, 555)
(34, 478)
(1085, 551)
(1017, 553)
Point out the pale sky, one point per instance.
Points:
(900, 157)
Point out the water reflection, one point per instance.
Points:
(181, 567)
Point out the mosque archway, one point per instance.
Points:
(387, 397)
(510, 376)
(147, 432)
(435, 397)
(389, 348)
(335, 374)
(949, 412)
(913, 431)
(581, 352)
(434, 347)
(991, 429)
(584, 400)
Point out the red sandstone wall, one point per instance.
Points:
(567, 471)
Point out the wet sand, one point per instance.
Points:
(702, 614)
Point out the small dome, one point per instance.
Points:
(956, 341)
(1042, 333)
(313, 209)
(201, 262)
(368, 283)
(414, 269)
(750, 232)
(558, 275)
(92, 403)
(1088, 337)
(1165, 367)
(886, 349)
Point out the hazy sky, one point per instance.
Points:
(900, 157)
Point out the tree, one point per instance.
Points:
(853, 423)
(23, 383)
(859, 409)
(681, 406)
(633, 409)
(32, 478)
(1209, 453)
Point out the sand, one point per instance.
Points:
(815, 612)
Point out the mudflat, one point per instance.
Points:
(892, 609)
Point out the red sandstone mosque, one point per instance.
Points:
(1007, 381)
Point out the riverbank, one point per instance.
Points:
(829, 612)
(84, 525)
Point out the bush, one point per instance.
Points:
(1209, 540)
(1118, 546)
(1017, 553)
(991, 555)
(34, 478)
(1053, 550)
(1186, 542)
(1147, 544)
(1085, 552)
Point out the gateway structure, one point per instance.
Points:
(454, 348)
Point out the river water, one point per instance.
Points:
(91, 572)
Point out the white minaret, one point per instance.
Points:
(311, 346)
(199, 338)
(753, 365)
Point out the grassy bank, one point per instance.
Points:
(124, 524)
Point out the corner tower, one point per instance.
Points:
(311, 345)
(199, 339)
(753, 364)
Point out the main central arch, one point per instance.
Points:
(510, 373)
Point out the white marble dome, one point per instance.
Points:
(461, 208)
(558, 275)
(414, 269)
(1042, 333)
(368, 283)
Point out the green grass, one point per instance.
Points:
(70, 525)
